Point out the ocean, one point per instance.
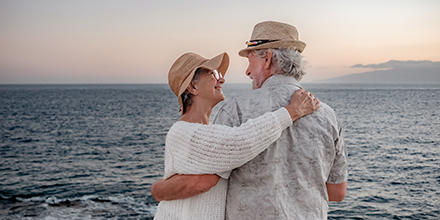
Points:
(93, 151)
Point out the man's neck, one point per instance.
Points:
(277, 78)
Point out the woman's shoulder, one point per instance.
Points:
(178, 132)
(183, 127)
(178, 125)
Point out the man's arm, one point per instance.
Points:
(336, 192)
(182, 186)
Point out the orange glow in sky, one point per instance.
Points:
(137, 41)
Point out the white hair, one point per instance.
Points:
(288, 62)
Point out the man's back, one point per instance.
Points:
(287, 181)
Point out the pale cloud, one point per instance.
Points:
(397, 64)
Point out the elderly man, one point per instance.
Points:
(306, 167)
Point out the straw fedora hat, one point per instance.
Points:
(275, 35)
(183, 69)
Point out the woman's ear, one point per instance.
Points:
(192, 89)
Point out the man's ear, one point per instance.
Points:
(268, 60)
(192, 89)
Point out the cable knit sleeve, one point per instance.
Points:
(207, 149)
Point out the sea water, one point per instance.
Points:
(93, 151)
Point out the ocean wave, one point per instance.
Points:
(84, 207)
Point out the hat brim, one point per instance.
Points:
(219, 63)
(298, 45)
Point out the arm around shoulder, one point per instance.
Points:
(336, 192)
(210, 149)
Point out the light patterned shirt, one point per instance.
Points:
(286, 181)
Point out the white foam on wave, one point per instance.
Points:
(94, 207)
(32, 199)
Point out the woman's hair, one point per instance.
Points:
(187, 96)
(288, 62)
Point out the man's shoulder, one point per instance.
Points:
(326, 108)
(246, 99)
(325, 114)
(241, 107)
(262, 95)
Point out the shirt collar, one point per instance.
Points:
(280, 79)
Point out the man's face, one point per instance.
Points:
(256, 70)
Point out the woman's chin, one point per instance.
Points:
(223, 98)
(219, 100)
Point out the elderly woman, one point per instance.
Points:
(195, 147)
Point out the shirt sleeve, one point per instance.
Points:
(339, 170)
(209, 149)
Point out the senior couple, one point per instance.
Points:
(273, 153)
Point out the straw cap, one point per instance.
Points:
(183, 69)
(275, 35)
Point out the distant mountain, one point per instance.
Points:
(400, 72)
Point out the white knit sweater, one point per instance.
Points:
(193, 148)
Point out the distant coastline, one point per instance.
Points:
(408, 75)
(410, 71)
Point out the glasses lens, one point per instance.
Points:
(216, 74)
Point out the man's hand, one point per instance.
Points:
(182, 186)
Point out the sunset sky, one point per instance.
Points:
(109, 41)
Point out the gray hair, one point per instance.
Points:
(288, 62)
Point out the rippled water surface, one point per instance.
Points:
(93, 151)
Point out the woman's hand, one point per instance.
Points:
(301, 104)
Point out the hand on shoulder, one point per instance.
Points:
(301, 104)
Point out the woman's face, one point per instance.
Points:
(209, 88)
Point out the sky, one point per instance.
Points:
(109, 41)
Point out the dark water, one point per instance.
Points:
(93, 151)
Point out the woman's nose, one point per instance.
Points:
(221, 80)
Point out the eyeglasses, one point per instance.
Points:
(217, 75)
